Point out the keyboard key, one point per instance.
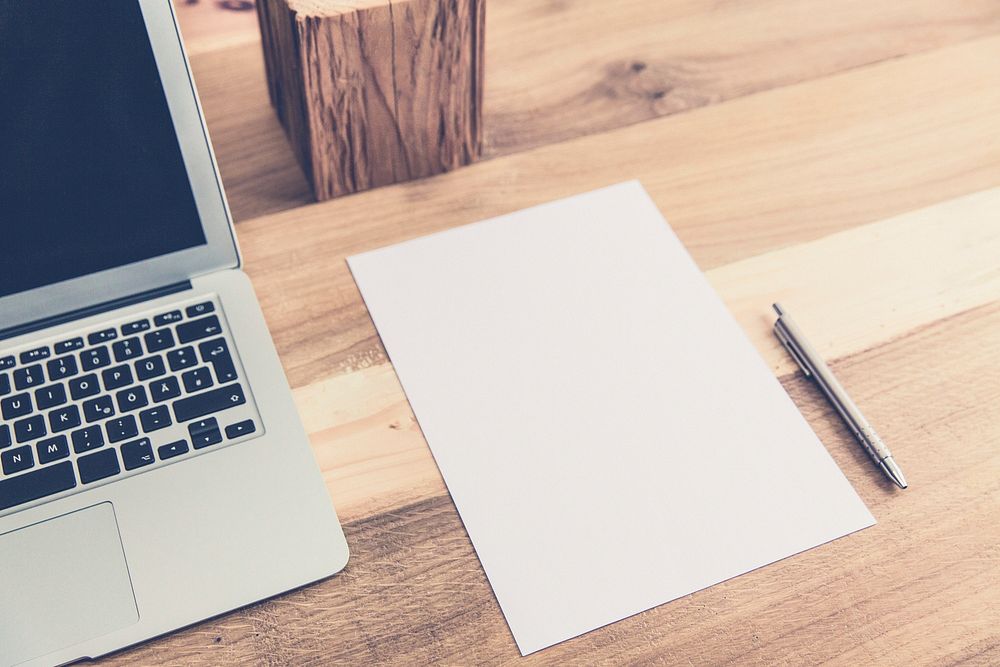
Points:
(38, 484)
(62, 368)
(15, 406)
(26, 378)
(208, 402)
(155, 418)
(117, 377)
(88, 438)
(7, 362)
(4, 384)
(198, 379)
(206, 439)
(150, 367)
(132, 398)
(137, 454)
(168, 318)
(122, 428)
(200, 309)
(240, 428)
(202, 425)
(161, 339)
(94, 467)
(51, 396)
(31, 428)
(216, 352)
(135, 327)
(16, 460)
(172, 449)
(68, 345)
(204, 433)
(52, 449)
(102, 336)
(84, 386)
(37, 354)
(64, 419)
(198, 329)
(164, 389)
(5, 440)
(130, 348)
(95, 358)
(181, 358)
(98, 408)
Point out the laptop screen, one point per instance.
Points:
(91, 173)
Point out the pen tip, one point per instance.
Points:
(893, 472)
(778, 309)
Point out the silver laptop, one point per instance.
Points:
(153, 469)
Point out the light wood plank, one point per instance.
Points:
(733, 182)
(367, 442)
(864, 286)
(646, 59)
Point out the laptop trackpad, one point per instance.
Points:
(64, 581)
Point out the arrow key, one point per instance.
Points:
(172, 449)
(202, 425)
(238, 429)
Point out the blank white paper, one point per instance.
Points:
(611, 438)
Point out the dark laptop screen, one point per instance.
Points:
(91, 175)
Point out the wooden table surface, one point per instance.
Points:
(813, 152)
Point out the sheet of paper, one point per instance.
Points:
(609, 435)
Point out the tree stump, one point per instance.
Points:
(372, 92)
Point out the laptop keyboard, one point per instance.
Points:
(115, 401)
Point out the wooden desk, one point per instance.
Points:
(777, 136)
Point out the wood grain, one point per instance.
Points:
(643, 60)
(374, 93)
(373, 454)
(860, 146)
(646, 59)
(807, 190)
(414, 593)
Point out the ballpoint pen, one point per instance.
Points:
(814, 367)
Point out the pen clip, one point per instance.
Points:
(792, 350)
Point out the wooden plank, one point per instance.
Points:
(915, 589)
(861, 287)
(642, 60)
(851, 148)
(367, 442)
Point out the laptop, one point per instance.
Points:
(154, 471)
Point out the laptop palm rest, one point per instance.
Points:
(64, 581)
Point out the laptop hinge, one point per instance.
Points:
(97, 309)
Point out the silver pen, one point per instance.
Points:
(815, 368)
